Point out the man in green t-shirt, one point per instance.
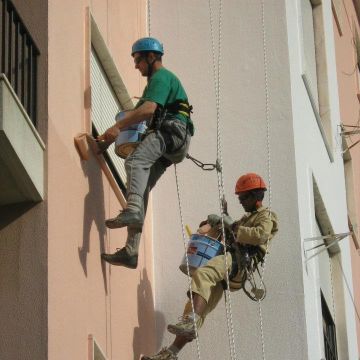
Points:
(165, 103)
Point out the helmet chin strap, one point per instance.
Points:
(150, 66)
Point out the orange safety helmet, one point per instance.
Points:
(250, 181)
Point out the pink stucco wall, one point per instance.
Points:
(348, 81)
(87, 296)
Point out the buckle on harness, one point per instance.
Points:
(178, 107)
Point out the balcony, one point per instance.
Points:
(22, 151)
(21, 148)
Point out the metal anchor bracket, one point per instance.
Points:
(328, 241)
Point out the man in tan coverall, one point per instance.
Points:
(255, 228)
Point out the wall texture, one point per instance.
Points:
(185, 31)
(23, 234)
(348, 84)
(87, 296)
(313, 163)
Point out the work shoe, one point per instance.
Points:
(121, 258)
(185, 327)
(126, 218)
(164, 354)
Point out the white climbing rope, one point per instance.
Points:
(187, 262)
(181, 217)
(221, 191)
(332, 289)
(148, 17)
(268, 147)
(216, 70)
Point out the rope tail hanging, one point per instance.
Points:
(187, 262)
(268, 147)
(180, 211)
(217, 82)
(149, 17)
(218, 167)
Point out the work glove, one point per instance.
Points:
(215, 220)
(228, 222)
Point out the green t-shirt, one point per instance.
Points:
(165, 88)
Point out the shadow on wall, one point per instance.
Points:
(151, 322)
(10, 213)
(94, 212)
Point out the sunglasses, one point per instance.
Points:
(138, 59)
(244, 197)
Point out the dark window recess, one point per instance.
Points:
(110, 164)
(329, 332)
(18, 54)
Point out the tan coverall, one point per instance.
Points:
(255, 228)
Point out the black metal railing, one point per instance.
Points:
(18, 54)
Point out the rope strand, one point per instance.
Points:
(187, 262)
(149, 17)
(181, 217)
(268, 146)
(217, 82)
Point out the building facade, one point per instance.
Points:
(281, 99)
(346, 33)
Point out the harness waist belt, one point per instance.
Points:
(181, 107)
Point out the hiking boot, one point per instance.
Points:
(126, 218)
(164, 354)
(121, 258)
(185, 327)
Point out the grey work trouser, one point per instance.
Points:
(149, 161)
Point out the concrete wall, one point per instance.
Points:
(55, 291)
(348, 85)
(86, 296)
(23, 234)
(313, 162)
(184, 29)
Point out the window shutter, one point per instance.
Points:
(104, 107)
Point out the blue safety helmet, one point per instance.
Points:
(147, 44)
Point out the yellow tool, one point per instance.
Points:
(188, 230)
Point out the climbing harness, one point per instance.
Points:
(245, 263)
(178, 107)
(251, 259)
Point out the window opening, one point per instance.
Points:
(329, 331)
